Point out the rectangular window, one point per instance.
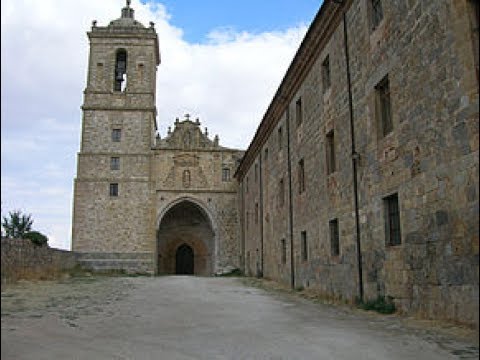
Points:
(266, 154)
(281, 193)
(392, 220)
(113, 189)
(301, 176)
(334, 237)
(114, 163)
(280, 138)
(326, 73)
(299, 111)
(284, 251)
(384, 114)
(377, 13)
(225, 174)
(116, 135)
(331, 168)
(304, 246)
(246, 184)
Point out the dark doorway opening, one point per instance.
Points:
(184, 260)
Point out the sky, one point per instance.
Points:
(222, 61)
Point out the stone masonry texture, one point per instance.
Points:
(21, 259)
(374, 113)
(186, 173)
(429, 160)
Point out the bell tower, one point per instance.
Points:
(111, 211)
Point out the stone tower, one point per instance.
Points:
(142, 203)
(112, 209)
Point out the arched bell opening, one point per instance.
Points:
(120, 70)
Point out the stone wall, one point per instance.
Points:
(429, 160)
(21, 259)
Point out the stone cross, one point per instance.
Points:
(187, 116)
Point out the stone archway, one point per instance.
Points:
(185, 240)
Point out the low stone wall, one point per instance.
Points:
(128, 262)
(21, 259)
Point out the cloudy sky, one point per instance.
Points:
(222, 61)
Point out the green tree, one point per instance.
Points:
(16, 224)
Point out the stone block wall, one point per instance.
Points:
(429, 159)
(21, 259)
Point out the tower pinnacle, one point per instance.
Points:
(127, 11)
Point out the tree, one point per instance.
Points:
(16, 224)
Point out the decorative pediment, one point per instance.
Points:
(187, 135)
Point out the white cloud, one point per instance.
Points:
(227, 82)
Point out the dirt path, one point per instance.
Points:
(203, 318)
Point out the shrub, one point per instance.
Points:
(232, 273)
(379, 305)
(36, 237)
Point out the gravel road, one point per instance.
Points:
(181, 317)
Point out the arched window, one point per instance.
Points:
(121, 70)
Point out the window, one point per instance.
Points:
(225, 174)
(280, 138)
(186, 178)
(116, 135)
(266, 154)
(474, 14)
(377, 13)
(299, 111)
(281, 193)
(256, 213)
(334, 237)
(246, 184)
(113, 189)
(121, 70)
(301, 177)
(304, 246)
(383, 106)
(392, 220)
(114, 163)
(141, 72)
(331, 168)
(284, 251)
(326, 73)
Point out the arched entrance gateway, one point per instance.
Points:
(185, 241)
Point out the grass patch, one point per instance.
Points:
(379, 305)
(233, 273)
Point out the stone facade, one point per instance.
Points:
(418, 60)
(361, 180)
(129, 180)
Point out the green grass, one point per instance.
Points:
(233, 273)
(379, 305)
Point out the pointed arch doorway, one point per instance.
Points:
(184, 260)
(185, 240)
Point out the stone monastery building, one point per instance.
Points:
(361, 179)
